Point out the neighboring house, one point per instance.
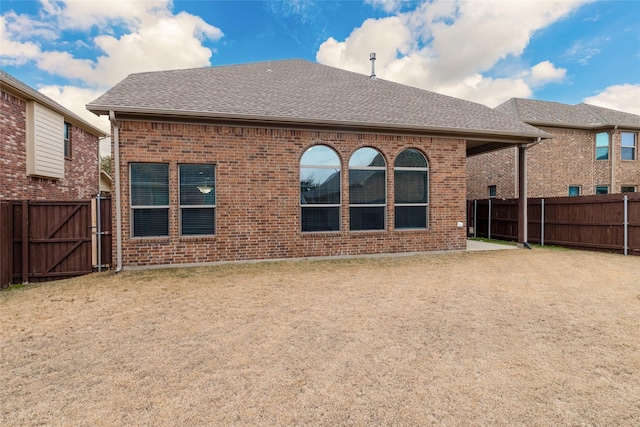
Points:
(47, 152)
(594, 151)
(105, 182)
(289, 159)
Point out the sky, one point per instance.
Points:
(568, 51)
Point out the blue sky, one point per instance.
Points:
(568, 51)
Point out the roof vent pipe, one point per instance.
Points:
(372, 58)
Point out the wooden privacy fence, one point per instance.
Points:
(49, 240)
(608, 222)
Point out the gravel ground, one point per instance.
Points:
(541, 337)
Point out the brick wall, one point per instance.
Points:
(258, 194)
(80, 172)
(552, 166)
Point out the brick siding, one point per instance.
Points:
(80, 171)
(552, 166)
(258, 193)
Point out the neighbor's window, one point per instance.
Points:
(367, 190)
(197, 200)
(574, 190)
(320, 189)
(411, 188)
(492, 191)
(628, 146)
(602, 146)
(628, 189)
(149, 199)
(602, 189)
(67, 140)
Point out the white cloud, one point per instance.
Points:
(546, 72)
(448, 46)
(624, 97)
(151, 38)
(387, 5)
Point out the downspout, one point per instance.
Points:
(613, 160)
(116, 160)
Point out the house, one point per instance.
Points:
(47, 152)
(105, 182)
(594, 151)
(289, 159)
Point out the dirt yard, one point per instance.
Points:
(536, 338)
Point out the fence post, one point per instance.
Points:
(626, 225)
(25, 241)
(489, 221)
(542, 224)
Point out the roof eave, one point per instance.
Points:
(25, 92)
(516, 137)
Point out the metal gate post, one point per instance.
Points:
(542, 226)
(475, 218)
(489, 233)
(626, 225)
(99, 231)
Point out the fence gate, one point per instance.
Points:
(44, 240)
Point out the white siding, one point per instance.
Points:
(45, 142)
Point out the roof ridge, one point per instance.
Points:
(594, 113)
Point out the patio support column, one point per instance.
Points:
(522, 196)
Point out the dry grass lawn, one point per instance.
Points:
(540, 337)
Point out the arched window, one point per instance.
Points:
(320, 189)
(367, 190)
(411, 189)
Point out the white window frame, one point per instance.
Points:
(322, 205)
(634, 148)
(214, 206)
(365, 205)
(425, 205)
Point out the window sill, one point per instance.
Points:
(203, 238)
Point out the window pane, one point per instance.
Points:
(149, 184)
(411, 186)
(320, 219)
(628, 139)
(492, 191)
(319, 186)
(628, 189)
(410, 158)
(367, 218)
(365, 157)
(367, 187)
(320, 155)
(198, 221)
(151, 222)
(602, 153)
(574, 191)
(628, 153)
(411, 217)
(197, 185)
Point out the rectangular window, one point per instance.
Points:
(602, 146)
(574, 190)
(67, 140)
(320, 198)
(149, 199)
(197, 200)
(628, 146)
(628, 189)
(411, 196)
(492, 191)
(367, 199)
(602, 189)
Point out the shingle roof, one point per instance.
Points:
(298, 91)
(8, 81)
(564, 115)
